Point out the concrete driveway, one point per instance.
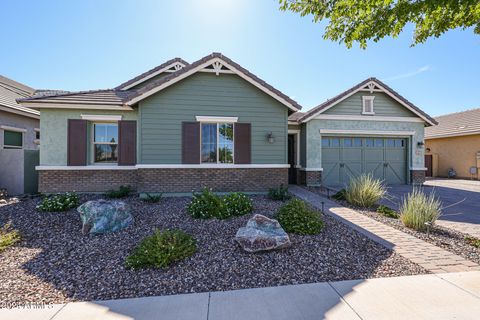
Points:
(460, 198)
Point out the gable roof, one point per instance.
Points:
(10, 91)
(168, 66)
(122, 98)
(372, 84)
(224, 65)
(455, 124)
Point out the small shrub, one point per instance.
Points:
(387, 212)
(417, 209)
(297, 217)
(59, 202)
(8, 236)
(473, 241)
(152, 198)
(364, 191)
(280, 193)
(340, 195)
(237, 204)
(162, 249)
(206, 205)
(122, 192)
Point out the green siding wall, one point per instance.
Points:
(53, 128)
(383, 105)
(202, 94)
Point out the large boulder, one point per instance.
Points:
(262, 234)
(102, 216)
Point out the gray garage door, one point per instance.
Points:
(346, 157)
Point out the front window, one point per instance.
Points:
(105, 142)
(12, 139)
(217, 142)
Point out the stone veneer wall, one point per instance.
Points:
(417, 176)
(175, 180)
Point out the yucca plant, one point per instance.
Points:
(419, 210)
(364, 191)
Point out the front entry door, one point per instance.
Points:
(292, 172)
(428, 164)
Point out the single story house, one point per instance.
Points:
(454, 144)
(180, 127)
(19, 139)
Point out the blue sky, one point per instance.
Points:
(91, 44)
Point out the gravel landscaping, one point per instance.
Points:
(55, 263)
(442, 237)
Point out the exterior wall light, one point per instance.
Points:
(270, 137)
(420, 144)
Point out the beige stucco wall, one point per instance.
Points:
(459, 153)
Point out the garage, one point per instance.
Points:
(346, 157)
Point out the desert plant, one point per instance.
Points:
(297, 217)
(237, 204)
(152, 198)
(475, 242)
(122, 192)
(340, 195)
(8, 236)
(162, 249)
(59, 202)
(364, 191)
(418, 210)
(205, 205)
(280, 193)
(387, 212)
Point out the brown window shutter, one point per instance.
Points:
(77, 142)
(190, 142)
(242, 136)
(127, 142)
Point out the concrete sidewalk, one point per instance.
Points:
(439, 296)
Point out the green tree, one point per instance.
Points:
(359, 21)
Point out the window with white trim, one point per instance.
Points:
(105, 142)
(12, 139)
(217, 142)
(368, 105)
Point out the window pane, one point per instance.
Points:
(378, 143)
(390, 143)
(369, 142)
(347, 142)
(225, 137)
(12, 138)
(357, 142)
(209, 143)
(325, 142)
(106, 153)
(335, 142)
(106, 132)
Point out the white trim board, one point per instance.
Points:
(215, 119)
(311, 169)
(366, 118)
(156, 73)
(35, 114)
(165, 166)
(101, 117)
(202, 66)
(9, 128)
(367, 132)
(391, 95)
(418, 169)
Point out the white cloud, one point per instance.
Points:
(409, 74)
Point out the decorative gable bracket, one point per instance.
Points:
(217, 67)
(371, 87)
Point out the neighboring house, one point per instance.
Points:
(369, 128)
(454, 143)
(19, 139)
(180, 127)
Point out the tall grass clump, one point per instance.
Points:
(364, 191)
(418, 210)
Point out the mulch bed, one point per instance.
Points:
(55, 263)
(445, 238)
